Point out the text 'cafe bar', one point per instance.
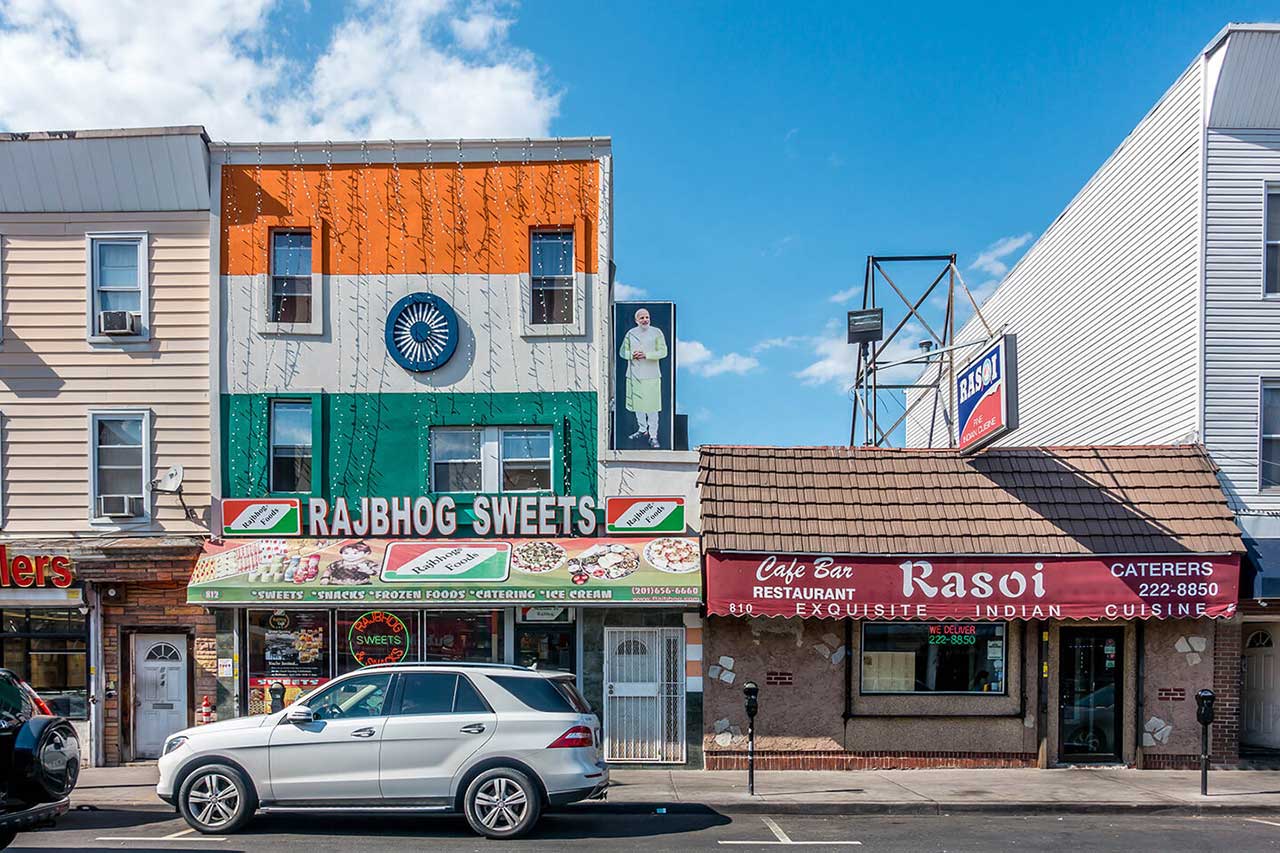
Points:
(1016, 607)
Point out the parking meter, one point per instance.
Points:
(1204, 715)
(276, 691)
(1204, 706)
(751, 692)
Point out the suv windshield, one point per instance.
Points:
(538, 693)
(570, 692)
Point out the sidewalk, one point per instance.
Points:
(907, 792)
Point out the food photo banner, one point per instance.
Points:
(833, 587)
(282, 572)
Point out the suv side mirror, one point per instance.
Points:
(300, 714)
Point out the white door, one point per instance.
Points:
(159, 690)
(644, 715)
(1260, 702)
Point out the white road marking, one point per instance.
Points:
(777, 830)
(177, 836)
(180, 833)
(1260, 820)
(785, 840)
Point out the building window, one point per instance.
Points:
(49, 649)
(290, 277)
(456, 461)
(291, 446)
(292, 647)
(1272, 240)
(118, 278)
(526, 460)
(551, 270)
(121, 465)
(933, 657)
(1269, 456)
(491, 459)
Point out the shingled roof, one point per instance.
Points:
(1006, 500)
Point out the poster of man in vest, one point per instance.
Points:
(644, 375)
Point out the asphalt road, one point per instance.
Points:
(146, 830)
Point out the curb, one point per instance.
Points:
(898, 809)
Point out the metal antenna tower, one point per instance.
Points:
(934, 386)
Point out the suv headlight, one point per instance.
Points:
(173, 743)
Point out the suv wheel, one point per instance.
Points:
(216, 798)
(502, 803)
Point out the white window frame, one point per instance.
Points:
(143, 241)
(147, 472)
(264, 324)
(271, 452)
(491, 458)
(578, 287)
(1269, 189)
(1265, 383)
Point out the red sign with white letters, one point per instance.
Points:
(835, 587)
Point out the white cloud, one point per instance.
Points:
(387, 69)
(843, 296)
(991, 259)
(624, 292)
(836, 360)
(835, 364)
(697, 357)
(785, 342)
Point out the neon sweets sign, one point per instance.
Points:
(24, 571)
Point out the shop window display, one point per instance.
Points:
(464, 635)
(289, 647)
(49, 649)
(369, 637)
(933, 657)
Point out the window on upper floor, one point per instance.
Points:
(118, 288)
(119, 453)
(491, 459)
(1271, 240)
(1269, 439)
(291, 443)
(551, 271)
(290, 277)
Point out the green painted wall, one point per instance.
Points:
(377, 445)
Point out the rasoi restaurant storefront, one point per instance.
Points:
(294, 613)
(921, 657)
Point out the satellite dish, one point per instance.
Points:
(171, 481)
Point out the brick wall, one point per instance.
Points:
(153, 600)
(1224, 737)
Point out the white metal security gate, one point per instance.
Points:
(644, 694)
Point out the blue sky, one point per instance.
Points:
(762, 150)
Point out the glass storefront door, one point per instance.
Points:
(1091, 687)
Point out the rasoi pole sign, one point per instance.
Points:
(982, 395)
(262, 517)
(834, 587)
(644, 515)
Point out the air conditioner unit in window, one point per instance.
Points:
(119, 506)
(118, 323)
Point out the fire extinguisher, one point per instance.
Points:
(206, 712)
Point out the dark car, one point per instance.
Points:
(39, 759)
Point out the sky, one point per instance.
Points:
(762, 150)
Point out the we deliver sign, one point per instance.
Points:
(644, 515)
(262, 517)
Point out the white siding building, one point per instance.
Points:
(104, 387)
(1149, 311)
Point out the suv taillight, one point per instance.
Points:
(40, 704)
(577, 736)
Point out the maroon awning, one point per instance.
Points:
(834, 587)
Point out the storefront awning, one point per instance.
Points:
(444, 572)
(833, 587)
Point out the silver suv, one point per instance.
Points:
(496, 743)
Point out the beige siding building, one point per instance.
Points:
(104, 420)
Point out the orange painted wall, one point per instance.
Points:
(439, 219)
